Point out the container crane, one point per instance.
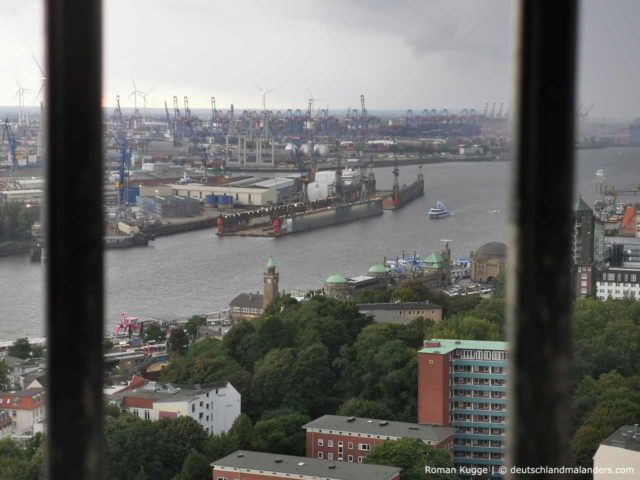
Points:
(167, 120)
(7, 136)
(117, 114)
(125, 156)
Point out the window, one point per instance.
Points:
(365, 447)
(350, 445)
(340, 444)
(350, 458)
(360, 459)
(193, 408)
(515, 372)
(329, 443)
(147, 415)
(330, 456)
(320, 455)
(320, 442)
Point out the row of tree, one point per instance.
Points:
(16, 220)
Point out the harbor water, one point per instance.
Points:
(181, 275)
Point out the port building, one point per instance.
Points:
(246, 192)
(463, 384)
(402, 312)
(489, 261)
(167, 206)
(248, 465)
(351, 439)
(247, 306)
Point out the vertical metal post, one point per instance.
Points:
(539, 293)
(74, 237)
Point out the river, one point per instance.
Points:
(197, 272)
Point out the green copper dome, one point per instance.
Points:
(271, 263)
(378, 269)
(336, 279)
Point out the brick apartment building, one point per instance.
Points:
(463, 384)
(26, 408)
(350, 439)
(246, 465)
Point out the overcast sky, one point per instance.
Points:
(401, 54)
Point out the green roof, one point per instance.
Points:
(378, 269)
(434, 260)
(271, 263)
(582, 206)
(336, 279)
(448, 345)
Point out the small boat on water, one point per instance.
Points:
(439, 210)
(600, 172)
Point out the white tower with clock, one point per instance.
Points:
(271, 278)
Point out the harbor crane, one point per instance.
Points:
(168, 119)
(117, 114)
(125, 157)
(8, 136)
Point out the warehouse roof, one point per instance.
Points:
(627, 437)
(340, 424)
(368, 307)
(269, 464)
(436, 345)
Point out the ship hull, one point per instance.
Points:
(333, 215)
(404, 196)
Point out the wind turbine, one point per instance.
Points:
(20, 95)
(311, 101)
(43, 78)
(264, 96)
(135, 93)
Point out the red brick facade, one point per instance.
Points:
(433, 389)
(350, 447)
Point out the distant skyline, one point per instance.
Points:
(403, 54)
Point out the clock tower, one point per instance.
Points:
(271, 278)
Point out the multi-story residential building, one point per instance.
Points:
(214, 406)
(618, 283)
(246, 465)
(587, 248)
(350, 439)
(618, 456)
(463, 384)
(26, 408)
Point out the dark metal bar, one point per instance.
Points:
(539, 290)
(74, 237)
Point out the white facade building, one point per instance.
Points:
(214, 406)
(618, 283)
(619, 455)
(26, 408)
